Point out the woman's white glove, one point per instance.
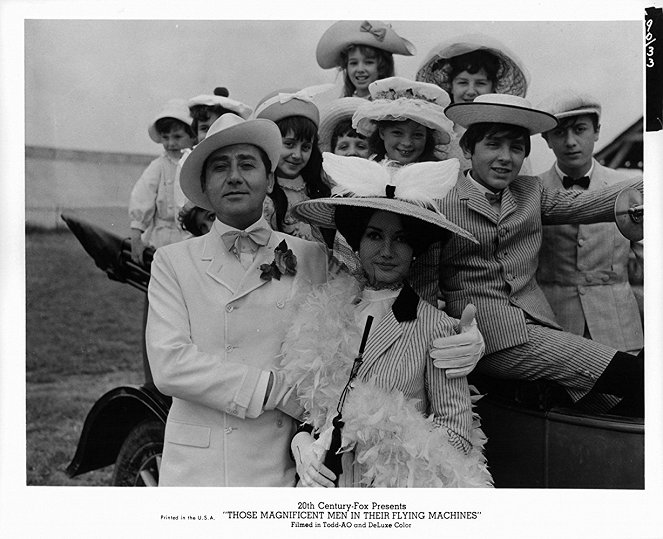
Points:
(312, 472)
(459, 354)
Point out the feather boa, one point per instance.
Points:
(394, 444)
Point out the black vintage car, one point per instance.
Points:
(534, 439)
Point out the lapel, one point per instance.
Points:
(509, 204)
(225, 269)
(389, 328)
(474, 199)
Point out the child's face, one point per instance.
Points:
(362, 70)
(350, 146)
(204, 125)
(175, 141)
(465, 87)
(205, 220)
(403, 141)
(295, 154)
(574, 145)
(497, 160)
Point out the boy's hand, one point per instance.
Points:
(459, 354)
(137, 246)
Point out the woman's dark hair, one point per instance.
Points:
(385, 61)
(477, 132)
(343, 129)
(166, 125)
(303, 129)
(376, 144)
(351, 222)
(473, 62)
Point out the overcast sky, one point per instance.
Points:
(96, 84)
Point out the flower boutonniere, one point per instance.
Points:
(284, 263)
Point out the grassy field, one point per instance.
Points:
(82, 339)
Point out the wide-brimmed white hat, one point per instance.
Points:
(228, 130)
(175, 108)
(398, 99)
(342, 34)
(512, 76)
(231, 105)
(569, 102)
(409, 190)
(503, 109)
(285, 103)
(331, 114)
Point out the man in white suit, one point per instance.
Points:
(220, 306)
(583, 268)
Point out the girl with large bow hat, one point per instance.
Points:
(363, 50)
(404, 423)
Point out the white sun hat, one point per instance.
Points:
(174, 108)
(398, 99)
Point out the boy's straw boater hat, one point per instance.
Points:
(331, 114)
(569, 102)
(285, 103)
(502, 109)
(410, 190)
(175, 108)
(225, 102)
(512, 77)
(227, 130)
(343, 34)
(398, 99)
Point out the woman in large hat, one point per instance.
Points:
(394, 418)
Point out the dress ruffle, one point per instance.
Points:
(394, 444)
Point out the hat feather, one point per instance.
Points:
(424, 182)
(356, 176)
(421, 183)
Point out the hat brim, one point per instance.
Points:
(261, 133)
(578, 112)
(512, 76)
(342, 34)
(321, 211)
(333, 113)
(466, 114)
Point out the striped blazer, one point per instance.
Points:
(583, 271)
(397, 357)
(498, 274)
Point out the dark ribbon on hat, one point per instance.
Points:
(390, 191)
(494, 198)
(378, 33)
(569, 182)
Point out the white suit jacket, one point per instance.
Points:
(213, 329)
(583, 271)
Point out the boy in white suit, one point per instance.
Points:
(220, 306)
(583, 268)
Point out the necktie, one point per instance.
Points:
(569, 182)
(233, 238)
(494, 198)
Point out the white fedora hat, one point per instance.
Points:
(503, 109)
(342, 34)
(228, 130)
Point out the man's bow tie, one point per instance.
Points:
(494, 198)
(569, 182)
(259, 235)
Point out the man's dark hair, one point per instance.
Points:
(477, 132)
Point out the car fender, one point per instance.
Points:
(110, 420)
